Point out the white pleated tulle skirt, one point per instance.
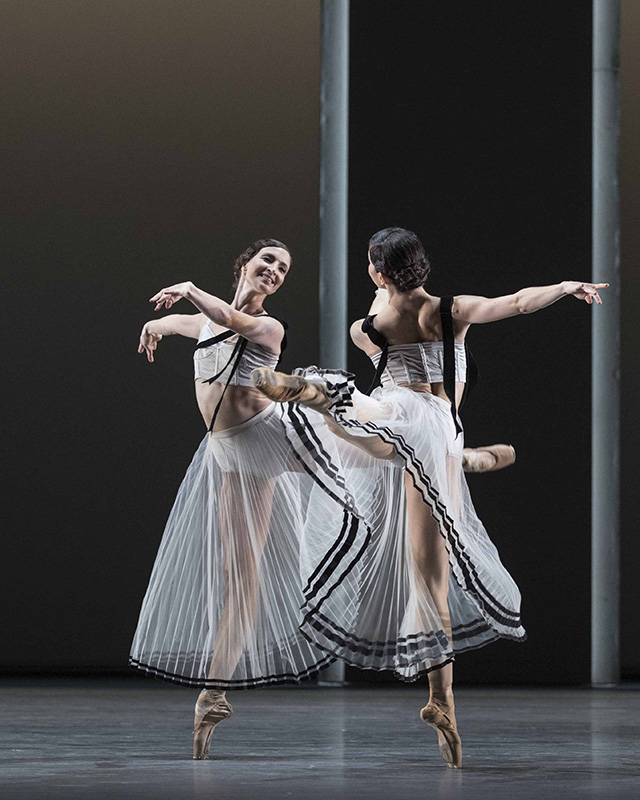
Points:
(288, 547)
(369, 604)
(223, 604)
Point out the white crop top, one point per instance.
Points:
(419, 362)
(217, 361)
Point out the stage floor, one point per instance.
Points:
(131, 738)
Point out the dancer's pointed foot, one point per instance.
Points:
(285, 388)
(441, 716)
(211, 708)
(488, 458)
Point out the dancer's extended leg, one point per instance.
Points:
(285, 388)
(489, 458)
(244, 525)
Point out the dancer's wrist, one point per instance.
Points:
(190, 291)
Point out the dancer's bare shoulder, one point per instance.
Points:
(360, 339)
(412, 318)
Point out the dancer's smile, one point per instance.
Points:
(268, 269)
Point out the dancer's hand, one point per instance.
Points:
(167, 297)
(148, 343)
(585, 291)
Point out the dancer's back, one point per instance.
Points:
(409, 318)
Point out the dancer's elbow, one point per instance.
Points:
(522, 305)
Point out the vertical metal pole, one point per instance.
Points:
(334, 121)
(605, 420)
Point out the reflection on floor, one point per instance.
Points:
(132, 739)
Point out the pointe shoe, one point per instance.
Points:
(489, 458)
(209, 712)
(285, 388)
(441, 716)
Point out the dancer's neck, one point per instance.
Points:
(415, 297)
(248, 301)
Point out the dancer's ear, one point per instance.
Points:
(377, 277)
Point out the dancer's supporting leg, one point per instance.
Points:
(432, 561)
(244, 527)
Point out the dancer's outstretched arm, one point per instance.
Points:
(474, 310)
(266, 331)
(188, 325)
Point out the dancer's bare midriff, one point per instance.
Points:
(239, 405)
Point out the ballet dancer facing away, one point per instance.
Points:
(417, 343)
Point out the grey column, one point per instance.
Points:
(334, 121)
(605, 422)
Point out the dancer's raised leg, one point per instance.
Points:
(489, 458)
(285, 388)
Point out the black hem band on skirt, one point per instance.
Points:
(256, 683)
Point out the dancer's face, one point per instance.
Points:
(266, 271)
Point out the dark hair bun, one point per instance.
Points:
(398, 254)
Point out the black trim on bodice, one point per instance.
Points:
(380, 341)
(449, 357)
(235, 357)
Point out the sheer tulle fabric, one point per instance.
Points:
(288, 547)
(223, 604)
(371, 606)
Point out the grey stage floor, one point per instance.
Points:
(132, 739)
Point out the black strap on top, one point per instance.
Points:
(449, 353)
(283, 343)
(235, 358)
(380, 341)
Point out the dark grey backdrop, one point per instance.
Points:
(144, 143)
(145, 146)
(471, 124)
(630, 379)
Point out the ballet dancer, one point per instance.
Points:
(222, 607)
(419, 594)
